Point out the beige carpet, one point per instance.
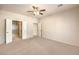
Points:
(38, 46)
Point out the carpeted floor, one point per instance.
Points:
(38, 46)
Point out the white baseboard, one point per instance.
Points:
(60, 41)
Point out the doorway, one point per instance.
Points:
(37, 29)
(16, 30)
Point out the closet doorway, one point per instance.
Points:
(16, 30)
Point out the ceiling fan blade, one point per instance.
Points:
(41, 13)
(36, 7)
(43, 10)
(33, 7)
(29, 11)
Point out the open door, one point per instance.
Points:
(8, 31)
(24, 30)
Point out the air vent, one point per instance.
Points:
(60, 5)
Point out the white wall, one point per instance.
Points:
(14, 16)
(62, 27)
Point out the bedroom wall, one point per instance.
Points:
(62, 26)
(14, 16)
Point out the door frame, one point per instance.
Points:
(24, 30)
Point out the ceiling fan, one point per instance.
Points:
(37, 11)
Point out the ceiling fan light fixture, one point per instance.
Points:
(36, 11)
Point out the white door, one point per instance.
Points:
(35, 29)
(8, 31)
(24, 30)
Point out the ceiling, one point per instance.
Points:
(23, 8)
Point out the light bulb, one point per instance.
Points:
(34, 12)
(37, 13)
